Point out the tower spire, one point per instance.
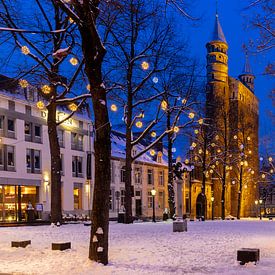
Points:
(218, 34)
(247, 68)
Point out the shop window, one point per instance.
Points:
(77, 196)
(150, 179)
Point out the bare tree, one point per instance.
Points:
(47, 43)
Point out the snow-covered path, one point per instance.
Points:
(142, 248)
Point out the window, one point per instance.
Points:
(11, 105)
(80, 124)
(37, 160)
(1, 122)
(28, 110)
(138, 175)
(60, 134)
(33, 161)
(138, 193)
(77, 196)
(1, 156)
(62, 164)
(11, 125)
(37, 130)
(77, 166)
(27, 128)
(112, 171)
(111, 204)
(76, 141)
(161, 178)
(10, 155)
(150, 176)
(122, 174)
(161, 199)
(122, 197)
(150, 200)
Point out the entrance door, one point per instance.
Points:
(200, 206)
(138, 207)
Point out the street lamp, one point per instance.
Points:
(153, 193)
(260, 202)
(212, 203)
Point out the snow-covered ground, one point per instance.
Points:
(142, 248)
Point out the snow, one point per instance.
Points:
(142, 248)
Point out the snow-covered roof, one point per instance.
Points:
(218, 34)
(118, 150)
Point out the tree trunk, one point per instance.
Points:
(223, 192)
(171, 192)
(56, 211)
(240, 194)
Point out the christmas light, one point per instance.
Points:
(196, 131)
(248, 138)
(163, 105)
(196, 158)
(194, 144)
(73, 61)
(271, 171)
(245, 163)
(174, 150)
(145, 65)
(25, 50)
(155, 80)
(184, 101)
(40, 105)
(46, 89)
(235, 137)
(250, 152)
(139, 124)
(263, 176)
(217, 162)
(191, 115)
(176, 129)
(219, 150)
(71, 21)
(233, 181)
(73, 107)
(211, 171)
(200, 151)
(241, 163)
(213, 144)
(252, 172)
(217, 137)
(270, 159)
(153, 134)
(152, 152)
(23, 83)
(186, 161)
(88, 87)
(113, 107)
(200, 121)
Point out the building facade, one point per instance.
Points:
(25, 157)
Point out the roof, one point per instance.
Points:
(118, 140)
(218, 34)
(247, 68)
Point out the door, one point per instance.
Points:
(200, 206)
(138, 207)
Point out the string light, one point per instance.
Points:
(250, 152)
(217, 137)
(145, 65)
(71, 21)
(25, 50)
(40, 105)
(46, 89)
(196, 131)
(155, 80)
(184, 101)
(235, 137)
(73, 61)
(73, 107)
(200, 151)
(153, 134)
(88, 87)
(152, 152)
(211, 171)
(139, 124)
(213, 144)
(186, 161)
(200, 121)
(252, 172)
(270, 159)
(248, 138)
(263, 176)
(174, 150)
(245, 163)
(191, 115)
(194, 144)
(23, 83)
(163, 105)
(176, 129)
(113, 107)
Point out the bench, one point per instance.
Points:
(20, 243)
(61, 246)
(246, 255)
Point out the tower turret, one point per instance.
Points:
(247, 77)
(217, 59)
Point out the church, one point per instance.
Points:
(225, 183)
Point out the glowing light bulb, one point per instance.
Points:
(200, 121)
(184, 101)
(241, 163)
(196, 131)
(23, 83)
(270, 159)
(186, 161)
(73, 107)
(263, 176)
(200, 151)
(113, 107)
(88, 87)
(73, 61)
(176, 129)
(153, 134)
(163, 105)
(250, 152)
(245, 163)
(139, 124)
(46, 89)
(25, 50)
(152, 152)
(145, 65)
(219, 150)
(155, 80)
(271, 171)
(191, 115)
(252, 172)
(194, 144)
(71, 21)
(235, 137)
(217, 137)
(211, 171)
(248, 138)
(213, 144)
(40, 105)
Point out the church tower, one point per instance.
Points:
(217, 110)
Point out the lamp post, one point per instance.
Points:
(260, 202)
(256, 206)
(212, 204)
(153, 193)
